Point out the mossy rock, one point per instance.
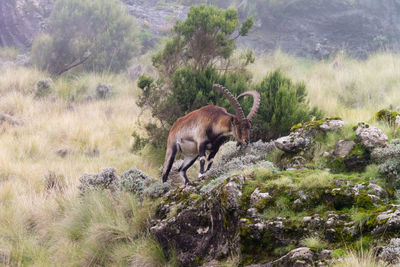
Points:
(308, 126)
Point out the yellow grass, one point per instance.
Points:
(29, 213)
(341, 86)
(40, 228)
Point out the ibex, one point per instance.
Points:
(207, 129)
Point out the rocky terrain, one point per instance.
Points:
(299, 27)
(304, 206)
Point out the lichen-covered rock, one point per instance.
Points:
(387, 221)
(257, 196)
(199, 230)
(300, 257)
(314, 222)
(344, 147)
(302, 134)
(293, 143)
(371, 136)
(332, 125)
(378, 190)
(390, 253)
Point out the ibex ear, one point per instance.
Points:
(234, 120)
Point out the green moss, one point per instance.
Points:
(338, 253)
(364, 201)
(364, 242)
(310, 125)
(247, 189)
(337, 165)
(333, 118)
(387, 116)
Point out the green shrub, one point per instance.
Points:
(99, 35)
(387, 116)
(283, 104)
(388, 159)
(133, 180)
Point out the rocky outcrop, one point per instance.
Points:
(389, 253)
(301, 136)
(211, 220)
(22, 20)
(370, 136)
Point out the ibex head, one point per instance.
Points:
(241, 125)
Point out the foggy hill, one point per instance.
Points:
(300, 27)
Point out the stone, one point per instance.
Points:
(343, 148)
(390, 253)
(302, 256)
(332, 125)
(379, 191)
(293, 143)
(256, 197)
(371, 136)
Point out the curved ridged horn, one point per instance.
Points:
(256, 102)
(236, 106)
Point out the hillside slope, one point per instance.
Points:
(315, 29)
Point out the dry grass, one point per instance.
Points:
(95, 134)
(360, 259)
(39, 227)
(341, 86)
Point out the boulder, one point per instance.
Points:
(332, 125)
(293, 143)
(256, 197)
(344, 147)
(302, 256)
(390, 253)
(371, 136)
(302, 134)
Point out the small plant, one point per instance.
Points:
(390, 117)
(314, 243)
(134, 181)
(44, 88)
(107, 179)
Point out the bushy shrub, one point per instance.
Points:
(156, 189)
(44, 88)
(389, 159)
(107, 179)
(99, 35)
(134, 181)
(283, 104)
(388, 116)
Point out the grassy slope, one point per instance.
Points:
(40, 227)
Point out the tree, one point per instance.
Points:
(188, 69)
(204, 37)
(99, 35)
